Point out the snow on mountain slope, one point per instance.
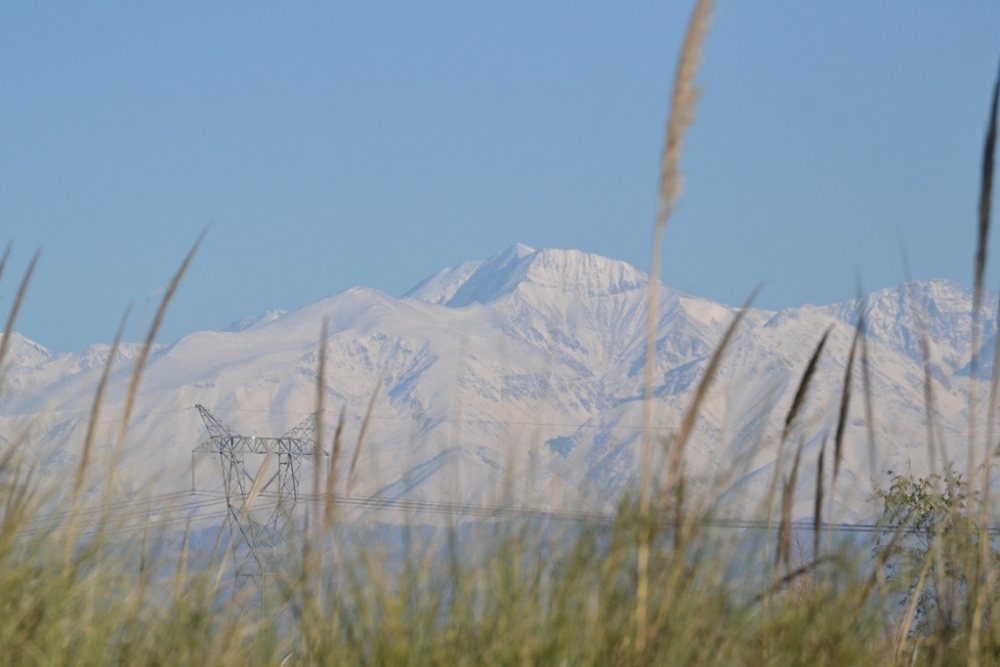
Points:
(441, 287)
(254, 321)
(528, 364)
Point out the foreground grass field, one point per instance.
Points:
(657, 583)
(511, 593)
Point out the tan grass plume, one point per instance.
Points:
(682, 104)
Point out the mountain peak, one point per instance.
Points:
(518, 249)
(505, 272)
(497, 276)
(25, 351)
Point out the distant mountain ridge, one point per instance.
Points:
(528, 364)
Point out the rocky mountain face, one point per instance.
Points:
(521, 376)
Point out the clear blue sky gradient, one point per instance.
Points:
(339, 144)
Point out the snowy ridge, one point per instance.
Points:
(529, 365)
(255, 321)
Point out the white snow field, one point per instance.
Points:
(525, 367)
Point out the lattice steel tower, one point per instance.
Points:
(256, 543)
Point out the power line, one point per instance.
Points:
(270, 501)
(514, 512)
(111, 506)
(119, 519)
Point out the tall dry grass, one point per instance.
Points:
(682, 105)
(658, 582)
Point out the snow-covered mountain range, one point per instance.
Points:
(525, 367)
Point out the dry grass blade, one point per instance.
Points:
(904, 628)
(7, 460)
(986, 509)
(802, 391)
(682, 103)
(256, 486)
(3, 260)
(320, 395)
(140, 362)
(985, 195)
(15, 309)
(351, 477)
(22, 290)
(925, 356)
(985, 202)
(217, 579)
(982, 241)
(311, 565)
(845, 397)
(866, 381)
(143, 554)
(994, 400)
(877, 571)
(691, 415)
(95, 410)
(784, 552)
(88, 439)
(793, 411)
(19, 497)
(331, 475)
(929, 405)
(818, 509)
(787, 579)
(182, 562)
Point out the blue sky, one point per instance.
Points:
(339, 144)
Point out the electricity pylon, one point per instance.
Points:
(256, 542)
